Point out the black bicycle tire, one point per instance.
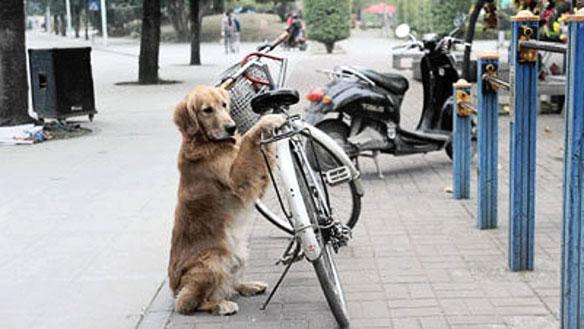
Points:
(339, 312)
(334, 300)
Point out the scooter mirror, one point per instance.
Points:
(458, 21)
(402, 31)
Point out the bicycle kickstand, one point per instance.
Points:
(288, 261)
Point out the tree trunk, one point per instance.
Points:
(13, 76)
(86, 21)
(76, 19)
(63, 25)
(329, 47)
(56, 24)
(176, 14)
(195, 18)
(150, 42)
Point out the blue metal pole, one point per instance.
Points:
(488, 142)
(523, 135)
(461, 139)
(572, 242)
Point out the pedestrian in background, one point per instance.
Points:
(228, 31)
(236, 38)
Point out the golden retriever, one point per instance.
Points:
(221, 175)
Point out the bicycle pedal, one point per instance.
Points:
(290, 259)
(338, 175)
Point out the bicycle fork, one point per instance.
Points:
(302, 226)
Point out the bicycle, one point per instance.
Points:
(302, 180)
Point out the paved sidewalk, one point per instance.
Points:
(86, 222)
(416, 260)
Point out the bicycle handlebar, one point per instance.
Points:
(262, 51)
(281, 38)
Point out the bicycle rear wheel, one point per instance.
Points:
(324, 266)
(344, 198)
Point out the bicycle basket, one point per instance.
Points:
(243, 89)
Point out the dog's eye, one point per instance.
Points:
(208, 110)
(224, 104)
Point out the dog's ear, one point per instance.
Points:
(226, 97)
(187, 125)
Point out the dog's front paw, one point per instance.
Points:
(252, 288)
(225, 307)
(272, 121)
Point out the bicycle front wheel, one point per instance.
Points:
(326, 271)
(324, 265)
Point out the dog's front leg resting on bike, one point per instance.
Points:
(249, 174)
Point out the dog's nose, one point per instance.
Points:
(230, 129)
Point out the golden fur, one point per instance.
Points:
(220, 177)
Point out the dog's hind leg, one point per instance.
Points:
(251, 288)
(196, 287)
(188, 299)
(249, 173)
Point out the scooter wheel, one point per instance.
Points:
(339, 132)
(448, 150)
(473, 149)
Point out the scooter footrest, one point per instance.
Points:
(338, 175)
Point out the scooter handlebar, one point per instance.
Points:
(409, 45)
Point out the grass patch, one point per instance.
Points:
(254, 28)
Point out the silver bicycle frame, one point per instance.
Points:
(300, 221)
(303, 228)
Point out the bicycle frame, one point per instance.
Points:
(334, 148)
(301, 223)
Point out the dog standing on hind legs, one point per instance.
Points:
(221, 175)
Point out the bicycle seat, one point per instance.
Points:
(393, 82)
(274, 99)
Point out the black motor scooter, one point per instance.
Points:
(360, 108)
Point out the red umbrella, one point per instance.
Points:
(381, 8)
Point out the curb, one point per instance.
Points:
(158, 312)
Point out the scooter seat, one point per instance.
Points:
(393, 82)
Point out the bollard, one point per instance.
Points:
(522, 139)
(461, 139)
(572, 263)
(488, 144)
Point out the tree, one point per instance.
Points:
(198, 8)
(444, 12)
(13, 74)
(178, 16)
(76, 9)
(149, 43)
(328, 21)
(195, 17)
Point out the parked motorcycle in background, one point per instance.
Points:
(361, 108)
